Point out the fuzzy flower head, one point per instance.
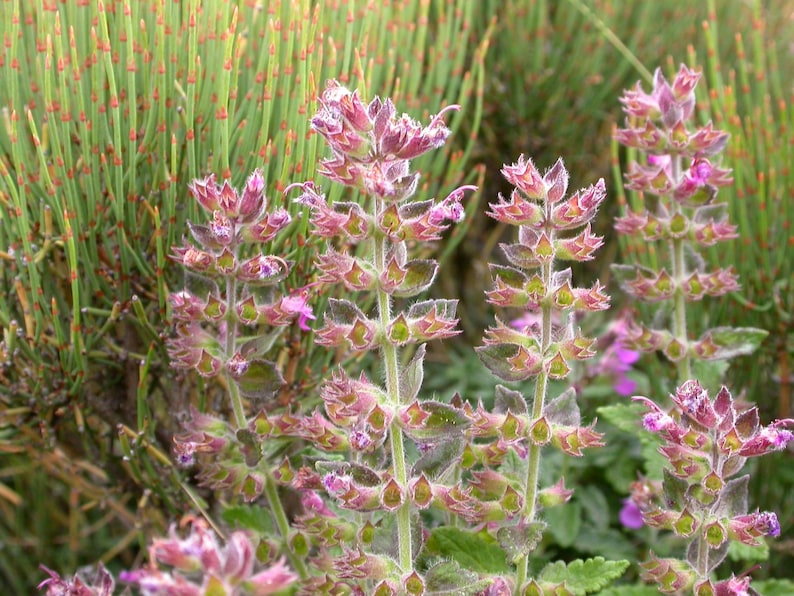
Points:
(371, 145)
(658, 120)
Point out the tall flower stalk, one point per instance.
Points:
(372, 147)
(679, 179)
(546, 222)
(236, 286)
(707, 442)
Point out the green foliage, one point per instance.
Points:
(627, 418)
(583, 577)
(474, 551)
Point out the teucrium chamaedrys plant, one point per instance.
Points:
(685, 217)
(371, 149)
(546, 222)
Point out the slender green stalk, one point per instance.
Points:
(533, 463)
(679, 273)
(391, 366)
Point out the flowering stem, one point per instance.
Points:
(679, 274)
(533, 463)
(231, 348)
(271, 493)
(391, 367)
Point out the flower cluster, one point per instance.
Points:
(202, 565)
(235, 288)
(552, 227)
(679, 182)
(707, 442)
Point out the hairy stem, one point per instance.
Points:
(231, 347)
(392, 371)
(240, 422)
(533, 464)
(679, 273)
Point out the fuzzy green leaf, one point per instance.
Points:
(471, 551)
(443, 420)
(261, 380)
(774, 587)
(496, 358)
(564, 522)
(434, 462)
(745, 552)
(628, 418)
(412, 376)
(509, 400)
(735, 341)
(733, 499)
(248, 517)
(519, 541)
(563, 409)
(509, 276)
(520, 255)
(418, 277)
(583, 577)
(447, 577)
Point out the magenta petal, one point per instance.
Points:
(630, 515)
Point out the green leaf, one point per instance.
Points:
(471, 551)
(735, 341)
(412, 376)
(594, 504)
(343, 312)
(443, 421)
(509, 400)
(710, 373)
(744, 552)
(436, 461)
(564, 522)
(510, 276)
(628, 417)
(582, 577)
(261, 380)
(497, 358)
(520, 255)
(733, 499)
(418, 277)
(637, 590)
(519, 541)
(609, 543)
(248, 517)
(447, 577)
(563, 409)
(774, 587)
(675, 491)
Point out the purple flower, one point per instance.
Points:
(297, 303)
(630, 515)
